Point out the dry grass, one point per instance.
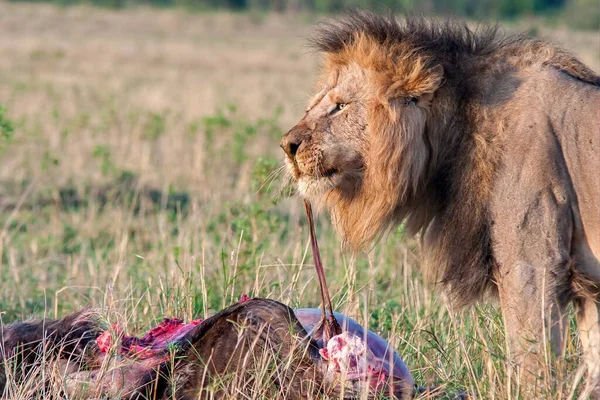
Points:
(135, 182)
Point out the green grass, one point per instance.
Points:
(148, 183)
(144, 253)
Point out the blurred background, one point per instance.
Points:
(140, 168)
(582, 14)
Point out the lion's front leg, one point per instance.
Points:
(588, 321)
(533, 313)
(532, 239)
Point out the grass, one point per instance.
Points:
(140, 173)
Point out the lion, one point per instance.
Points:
(485, 144)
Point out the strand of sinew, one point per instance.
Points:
(324, 291)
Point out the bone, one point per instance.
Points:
(398, 374)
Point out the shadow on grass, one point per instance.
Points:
(124, 191)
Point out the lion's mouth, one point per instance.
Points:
(298, 172)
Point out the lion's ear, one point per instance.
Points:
(429, 83)
(437, 77)
(432, 80)
(419, 82)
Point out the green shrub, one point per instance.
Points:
(6, 126)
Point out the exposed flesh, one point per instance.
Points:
(355, 354)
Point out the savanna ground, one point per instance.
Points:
(142, 177)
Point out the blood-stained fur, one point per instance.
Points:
(253, 340)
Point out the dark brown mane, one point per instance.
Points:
(446, 40)
(443, 37)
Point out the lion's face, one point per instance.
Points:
(326, 149)
(361, 149)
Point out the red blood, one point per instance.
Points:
(104, 340)
(244, 298)
(152, 343)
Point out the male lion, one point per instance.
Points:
(486, 144)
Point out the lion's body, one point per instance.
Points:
(545, 209)
(487, 144)
(549, 170)
(534, 154)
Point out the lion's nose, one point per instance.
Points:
(291, 143)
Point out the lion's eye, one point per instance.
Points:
(339, 107)
(411, 100)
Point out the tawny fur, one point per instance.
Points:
(446, 171)
(481, 141)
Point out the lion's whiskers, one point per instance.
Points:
(270, 178)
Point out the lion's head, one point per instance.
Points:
(361, 149)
